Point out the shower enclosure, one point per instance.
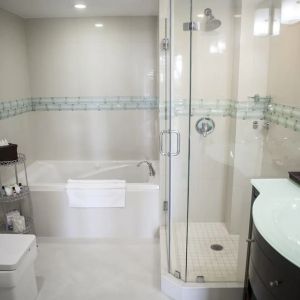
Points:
(212, 93)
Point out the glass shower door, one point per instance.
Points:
(212, 251)
(202, 70)
(179, 110)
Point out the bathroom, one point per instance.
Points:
(147, 131)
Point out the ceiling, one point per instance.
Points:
(65, 8)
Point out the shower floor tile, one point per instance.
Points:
(214, 266)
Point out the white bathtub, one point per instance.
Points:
(54, 218)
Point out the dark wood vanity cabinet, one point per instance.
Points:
(269, 275)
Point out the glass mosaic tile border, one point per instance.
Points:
(255, 108)
(13, 108)
(284, 115)
(252, 109)
(94, 103)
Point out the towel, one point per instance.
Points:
(96, 193)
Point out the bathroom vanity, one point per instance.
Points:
(273, 260)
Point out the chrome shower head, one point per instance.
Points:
(211, 22)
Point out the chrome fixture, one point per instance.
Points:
(211, 22)
(191, 26)
(266, 125)
(255, 124)
(166, 134)
(200, 279)
(177, 274)
(150, 166)
(205, 126)
(165, 44)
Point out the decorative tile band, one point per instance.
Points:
(94, 103)
(252, 109)
(17, 107)
(13, 108)
(255, 108)
(286, 116)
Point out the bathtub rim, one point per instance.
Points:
(61, 187)
(151, 185)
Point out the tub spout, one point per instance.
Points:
(150, 166)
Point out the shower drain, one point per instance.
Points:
(217, 247)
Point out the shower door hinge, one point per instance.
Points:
(191, 26)
(165, 206)
(165, 44)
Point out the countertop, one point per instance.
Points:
(276, 215)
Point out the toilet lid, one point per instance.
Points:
(13, 248)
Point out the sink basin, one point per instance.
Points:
(287, 219)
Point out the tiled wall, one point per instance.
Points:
(14, 82)
(282, 143)
(72, 59)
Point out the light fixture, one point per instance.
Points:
(290, 11)
(200, 16)
(80, 6)
(217, 48)
(99, 25)
(266, 20)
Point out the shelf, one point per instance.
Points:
(17, 197)
(21, 159)
(28, 229)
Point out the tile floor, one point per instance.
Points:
(98, 270)
(215, 266)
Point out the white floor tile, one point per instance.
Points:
(98, 270)
(214, 266)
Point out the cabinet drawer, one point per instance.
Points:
(258, 288)
(279, 276)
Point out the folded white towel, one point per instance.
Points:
(94, 184)
(96, 193)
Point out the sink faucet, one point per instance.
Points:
(150, 166)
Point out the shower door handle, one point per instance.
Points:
(169, 132)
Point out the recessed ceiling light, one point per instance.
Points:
(80, 6)
(98, 25)
(200, 16)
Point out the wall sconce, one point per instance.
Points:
(290, 11)
(267, 20)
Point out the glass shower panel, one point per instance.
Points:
(179, 122)
(212, 251)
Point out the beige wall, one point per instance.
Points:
(14, 79)
(93, 135)
(71, 57)
(284, 66)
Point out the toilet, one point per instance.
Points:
(17, 276)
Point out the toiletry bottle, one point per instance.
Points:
(8, 190)
(3, 193)
(17, 189)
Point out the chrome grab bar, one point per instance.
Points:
(162, 133)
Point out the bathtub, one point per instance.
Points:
(140, 218)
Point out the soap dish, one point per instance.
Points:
(295, 176)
